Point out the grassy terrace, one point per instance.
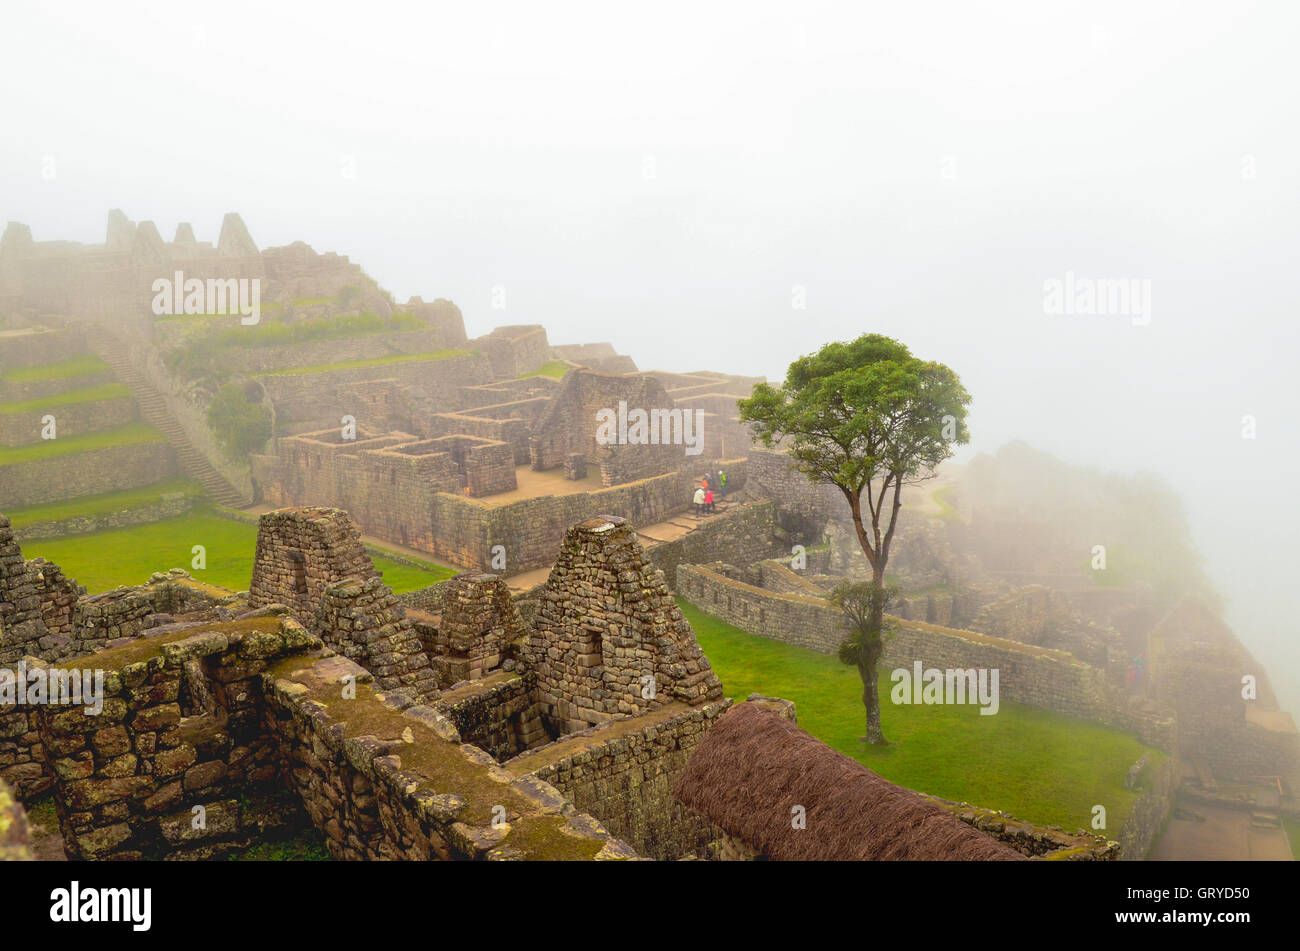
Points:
(372, 362)
(552, 368)
(128, 556)
(132, 434)
(64, 369)
(102, 504)
(91, 394)
(1037, 765)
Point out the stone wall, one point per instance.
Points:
(40, 346)
(452, 527)
(317, 400)
(384, 779)
(301, 553)
(569, 425)
(362, 619)
(72, 419)
(497, 714)
(623, 772)
(744, 534)
(162, 770)
(92, 472)
(514, 350)
(168, 505)
(1152, 808)
(608, 637)
(1036, 676)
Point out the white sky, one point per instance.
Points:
(795, 144)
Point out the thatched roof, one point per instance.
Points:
(753, 766)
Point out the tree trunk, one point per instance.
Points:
(867, 671)
(871, 700)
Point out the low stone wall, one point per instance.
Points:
(743, 535)
(73, 419)
(169, 505)
(160, 772)
(623, 773)
(12, 392)
(86, 473)
(384, 779)
(1050, 843)
(1149, 813)
(317, 400)
(1036, 676)
(427, 599)
(42, 346)
(498, 715)
(317, 352)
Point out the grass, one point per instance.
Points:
(1037, 765)
(307, 846)
(132, 434)
(102, 504)
(372, 362)
(1292, 827)
(91, 394)
(85, 365)
(552, 368)
(105, 560)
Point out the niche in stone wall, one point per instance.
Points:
(298, 566)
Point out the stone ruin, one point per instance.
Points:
(608, 638)
(398, 733)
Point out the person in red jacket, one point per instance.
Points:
(708, 500)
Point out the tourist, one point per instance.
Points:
(722, 485)
(699, 501)
(708, 502)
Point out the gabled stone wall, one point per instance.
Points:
(301, 552)
(608, 637)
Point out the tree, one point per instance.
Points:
(240, 425)
(866, 417)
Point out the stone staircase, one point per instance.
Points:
(153, 410)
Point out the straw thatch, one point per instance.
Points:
(754, 766)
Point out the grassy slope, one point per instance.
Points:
(132, 434)
(101, 504)
(64, 369)
(1035, 764)
(372, 362)
(552, 368)
(128, 556)
(90, 394)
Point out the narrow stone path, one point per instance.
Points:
(153, 410)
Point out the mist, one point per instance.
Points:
(731, 188)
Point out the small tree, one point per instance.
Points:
(866, 417)
(240, 426)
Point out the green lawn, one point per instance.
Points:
(132, 434)
(85, 365)
(90, 394)
(372, 362)
(105, 560)
(1035, 764)
(552, 368)
(1292, 827)
(101, 504)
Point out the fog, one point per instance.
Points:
(677, 180)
